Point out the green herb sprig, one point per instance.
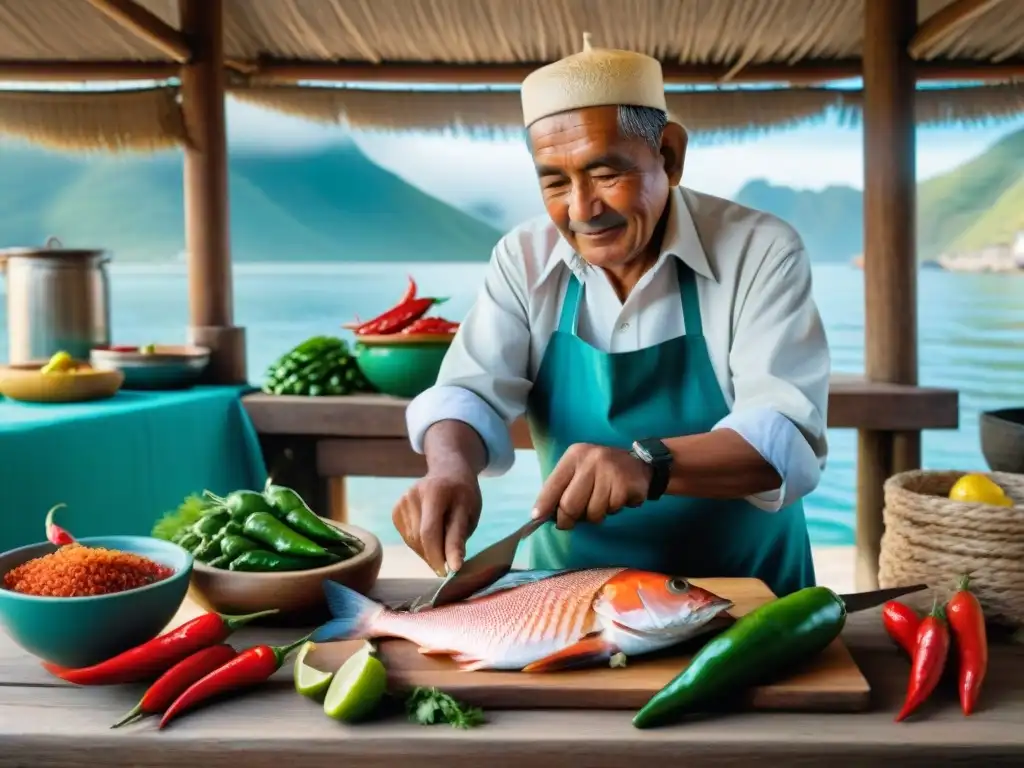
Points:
(430, 706)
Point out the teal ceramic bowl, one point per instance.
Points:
(79, 631)
(401, 366)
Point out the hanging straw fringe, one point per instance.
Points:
(931, 539)
(709, 115)
(142, 120)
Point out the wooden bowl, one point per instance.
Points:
(25, 382)
(166, 367)
(297, 595)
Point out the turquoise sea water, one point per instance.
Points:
(971, 337)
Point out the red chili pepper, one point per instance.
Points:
(177, 679)
(156, 656)
(967, 624)
(396, 319)
(251, 666)
(929, 660)
(54, 533)
(431, 325)
(901, 622)
(410, 292)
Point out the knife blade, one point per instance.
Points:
(484, 568)
(860, 601)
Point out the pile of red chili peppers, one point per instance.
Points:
(406, 317)
(191, 664)
(927, 642)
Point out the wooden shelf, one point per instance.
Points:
(854, 403)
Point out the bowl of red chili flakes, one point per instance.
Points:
(86, 601)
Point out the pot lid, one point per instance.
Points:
(53, 247)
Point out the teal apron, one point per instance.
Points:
(583, 395)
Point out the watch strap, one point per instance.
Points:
(656, 455)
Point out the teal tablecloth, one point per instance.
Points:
(120, 464)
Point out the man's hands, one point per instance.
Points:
(590, 482)
(437, 515)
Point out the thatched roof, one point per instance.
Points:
(273, 44)
(724, 32)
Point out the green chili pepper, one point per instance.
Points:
(221, 561)
(233, 546)
(210, 524)
(240, 504)
(261, 560)
(209, 549)
(190, 541)
(344, 550)
(299, 516)
(234, 528)
(265, 528)
(759, 646)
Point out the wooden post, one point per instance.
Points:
(890, 256)
(207, 237)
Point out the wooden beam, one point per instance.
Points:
(853, 404)
(146, 25)
(947, 20)
(890, 268)
(271, 70)
(207, 235)
(82, 71)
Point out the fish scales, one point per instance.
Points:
(530, 619)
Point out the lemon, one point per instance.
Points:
(309, 681)
(59, 363)
(357, 687)
(978, 489)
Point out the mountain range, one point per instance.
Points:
(977, 204)
(335, 204)
(331, 204)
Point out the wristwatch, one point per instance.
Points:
(658, 457)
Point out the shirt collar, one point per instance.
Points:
(681, 240)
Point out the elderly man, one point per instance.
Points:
(662, 343)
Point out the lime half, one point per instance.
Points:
(357, 687)
(309, 681)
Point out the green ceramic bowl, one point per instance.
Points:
(79, 631)
(401, 367)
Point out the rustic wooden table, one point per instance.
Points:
(44, 722)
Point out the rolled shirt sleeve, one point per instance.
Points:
(780, 366)
(483, 381)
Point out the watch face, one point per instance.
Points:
(651, 450)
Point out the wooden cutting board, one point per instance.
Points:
(831, 682)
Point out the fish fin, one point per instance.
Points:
(352, 614)
(514, 579)
(436, 651)
(470, 664)
(588, 651)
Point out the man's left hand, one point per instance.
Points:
(591, 482)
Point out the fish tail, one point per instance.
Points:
(353, 614)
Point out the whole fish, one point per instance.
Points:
(538, 621)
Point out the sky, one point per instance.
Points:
(468, 172)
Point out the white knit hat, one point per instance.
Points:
(592, 78)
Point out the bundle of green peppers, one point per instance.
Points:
(321, 365)
(270, 531)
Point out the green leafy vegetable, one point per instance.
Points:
(429, 706)
(186, 515)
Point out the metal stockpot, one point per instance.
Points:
(57, 299)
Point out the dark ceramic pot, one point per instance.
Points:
(1002, 439)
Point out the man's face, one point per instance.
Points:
(605, 193)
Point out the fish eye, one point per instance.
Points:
(678, 585)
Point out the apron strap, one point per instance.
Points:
(691, 302)
(569, 318)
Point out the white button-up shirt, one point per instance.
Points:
(764, 334)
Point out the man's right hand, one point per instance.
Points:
(437, 515)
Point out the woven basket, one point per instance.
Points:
(930, 539)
